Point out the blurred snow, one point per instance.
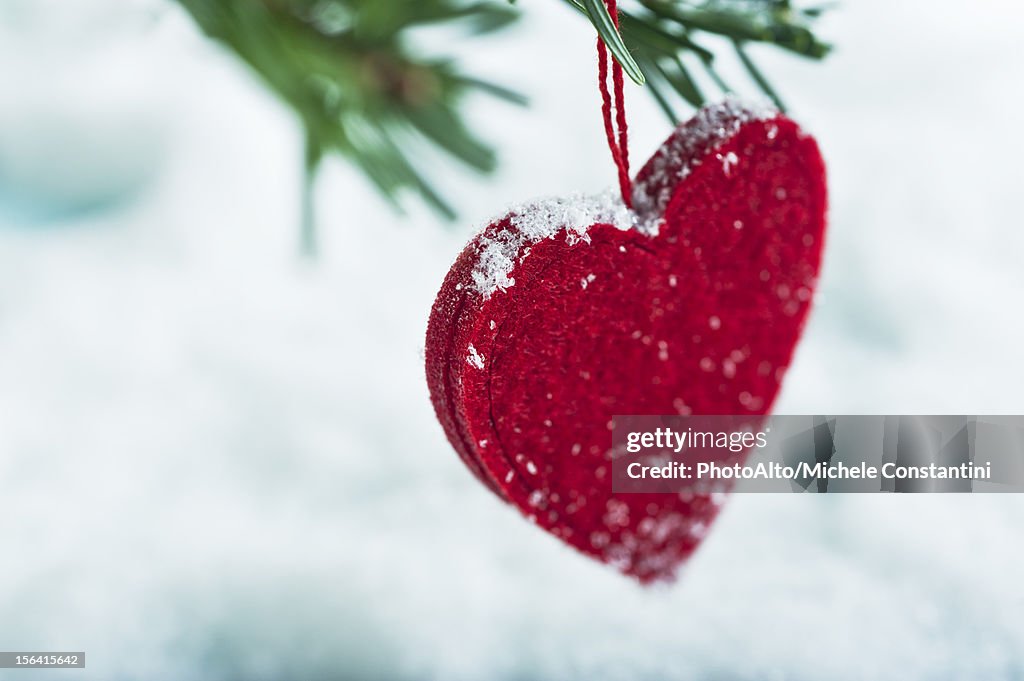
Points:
(82, 115)
(219, 462)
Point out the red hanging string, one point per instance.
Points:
(618, 144)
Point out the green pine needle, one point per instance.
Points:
(348, 69)
(659, 33)
(602, 20)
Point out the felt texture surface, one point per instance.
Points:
(700, 318)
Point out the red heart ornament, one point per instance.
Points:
(563, 313)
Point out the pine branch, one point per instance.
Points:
(657, 35)
(346, 68)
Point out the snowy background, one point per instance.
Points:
(218, 461)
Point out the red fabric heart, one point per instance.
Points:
(561, 314)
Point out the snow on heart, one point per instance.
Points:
(712, 125)
(576, 213)
(535, 221)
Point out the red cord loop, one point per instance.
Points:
(618, 144)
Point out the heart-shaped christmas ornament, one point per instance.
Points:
(563, 313)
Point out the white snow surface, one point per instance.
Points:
(219, 462)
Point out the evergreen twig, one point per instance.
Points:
(656, 34)
(349, 71)
(346, 67)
